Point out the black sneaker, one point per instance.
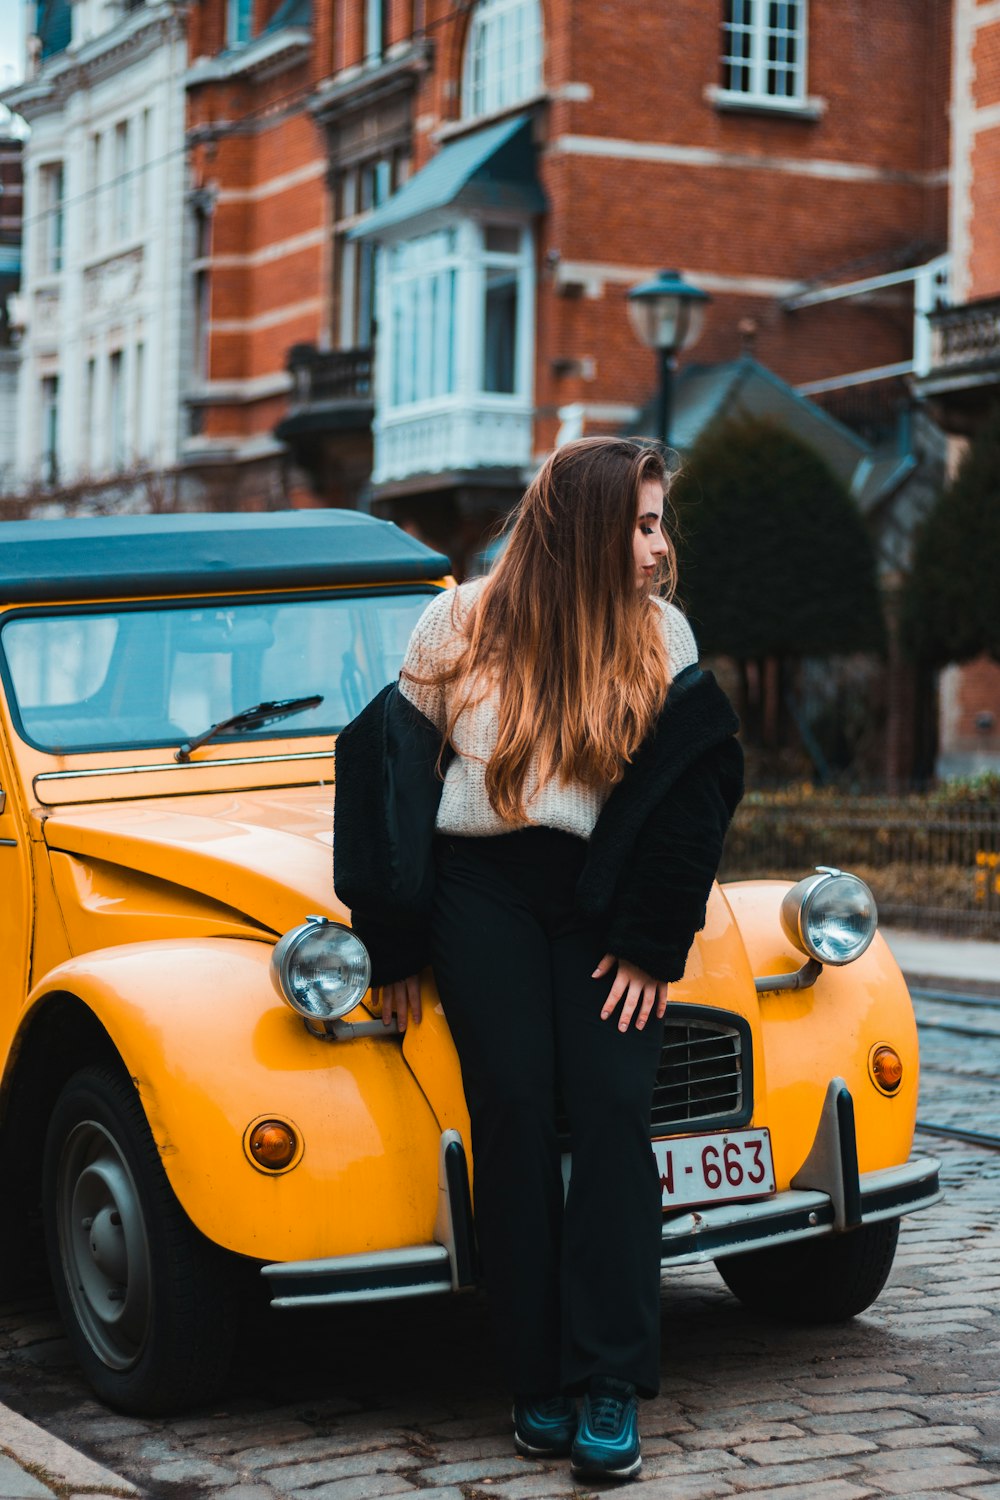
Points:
(606, 1445)
(544, 1425)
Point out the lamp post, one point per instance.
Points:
(666, 315)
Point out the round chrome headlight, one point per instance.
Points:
(830, 915)
(320, 969)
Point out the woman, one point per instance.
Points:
(589, 774)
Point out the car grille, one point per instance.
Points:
(700, 1077)
(705, 1077)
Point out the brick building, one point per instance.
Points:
(515, 167)
(407, 230)
(962, 386)
(257, 238)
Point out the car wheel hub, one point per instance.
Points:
(104, 1247)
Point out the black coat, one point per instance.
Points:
(652, 856)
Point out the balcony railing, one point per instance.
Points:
(932, 862)
(326, 376)
(966, 338)
(479, 432)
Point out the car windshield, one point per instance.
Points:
(109, 678)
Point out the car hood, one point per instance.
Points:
(258, 859)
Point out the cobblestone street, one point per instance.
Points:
(403, 1399)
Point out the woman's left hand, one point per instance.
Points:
(639, 989)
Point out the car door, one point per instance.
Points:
(15, 902)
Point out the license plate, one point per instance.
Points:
(715, 1168)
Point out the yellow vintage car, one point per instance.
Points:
(195, 1084)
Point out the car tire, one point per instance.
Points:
(818, 1281)
(149, 1309)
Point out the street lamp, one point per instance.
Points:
(666, 315)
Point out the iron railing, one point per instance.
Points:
(966, 337)
(928, 864)
(329, 375)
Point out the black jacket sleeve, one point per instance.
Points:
(396, 949)
(660, 900)
(385, 807)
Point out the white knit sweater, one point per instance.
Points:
(465, 808)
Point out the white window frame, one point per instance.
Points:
(363, 187)
(95, 148)
(375, 19)
(52, 193)
(752, 20)
(123, 189)
(116, 410)
(239, 23)
(89, 416)
(142, 194)
(432, 361)
(138, 385)
(49, 446)
(201, 293)
(503, 59)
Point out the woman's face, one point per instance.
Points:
(649, 544)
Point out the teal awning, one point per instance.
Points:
(492, 169)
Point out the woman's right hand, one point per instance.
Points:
(402, 1000)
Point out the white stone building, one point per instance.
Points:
(101, 291)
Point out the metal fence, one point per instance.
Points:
(929, 864)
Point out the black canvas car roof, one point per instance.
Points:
(109, 557)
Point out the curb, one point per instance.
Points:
(969, 964)
(35, 1465)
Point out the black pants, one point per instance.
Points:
(574, 1289)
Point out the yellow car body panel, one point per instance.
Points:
(828, 1030)
(211, 1049)
(239, 860)
(430, 1051)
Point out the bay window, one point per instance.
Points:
(458, 304)
(455, 365)
(423, 280)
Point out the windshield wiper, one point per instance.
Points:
(250, 718)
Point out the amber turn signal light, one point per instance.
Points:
(887, 1069)
(272, 1144)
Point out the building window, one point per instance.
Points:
(87, 454)
(138, 403)
(764, 51)
(50, 184)
(116, 410)
(201, 295)
(123, 190)
(374, 30)
(239, 22)
(93, 214)
(457, 301)
(503, 56)
(50, 429)
(361, 189)
(142, 196)
(423, 313)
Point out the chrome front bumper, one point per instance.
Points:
(800, 1214)
(828, 1196)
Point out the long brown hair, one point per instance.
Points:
(559, 633)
